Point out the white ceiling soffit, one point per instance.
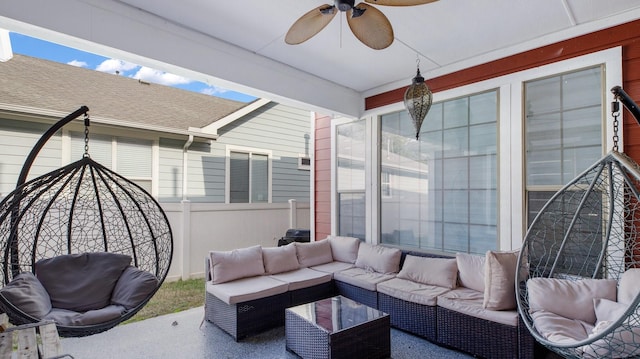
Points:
(240, 44)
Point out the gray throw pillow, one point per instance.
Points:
(26, 293)
(133, 287)
(81, 282)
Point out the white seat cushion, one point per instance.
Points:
(362, 278)
(559, 329)
(333, 267)
(245, 289)
(468, 301)
(411, 291)
(302, 278)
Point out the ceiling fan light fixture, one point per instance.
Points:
(345, 5)
(417, 100)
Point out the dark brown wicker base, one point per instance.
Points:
(482, 338)
(311, 294)
(412, 317)
(368, 340)
(364, 296)
(244, 319)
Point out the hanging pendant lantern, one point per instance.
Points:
(417, 100)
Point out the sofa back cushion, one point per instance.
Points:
(567, 298)
(471, 271)
(81, 282)
(499, 280)
(344, 249)
(441, 272)
(314, 253)
(238, 263)
(26, 293)
(378, 258)
(280, 259)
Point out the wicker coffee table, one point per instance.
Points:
(337, 327)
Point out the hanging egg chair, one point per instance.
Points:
(579, 294)
(98, 245)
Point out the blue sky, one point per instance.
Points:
(25, 45)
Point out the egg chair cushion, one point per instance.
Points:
(629, 286)
(70, 318)
(81, 282)
(133, 287)
(28, 294)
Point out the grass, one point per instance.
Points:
(172, 297)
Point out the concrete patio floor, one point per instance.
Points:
(180, 335)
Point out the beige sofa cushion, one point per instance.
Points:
(499, 280)
(280, 259)
(380, 259)
(442, 272)
(314, 253)
(362, 278)
(344, 249)
(302, 278)
(238, 263)
(567, 298)
(559, 329)
(468, 301)
(245, 289)
(471, 271)
(411, 291)
(629, 286)
(332, 267)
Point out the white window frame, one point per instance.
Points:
(511, 203)
(250, 151)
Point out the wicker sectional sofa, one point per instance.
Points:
(464, 302)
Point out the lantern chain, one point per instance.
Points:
(615, 112)
(86, 134)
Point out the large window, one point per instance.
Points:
(440, 192)
(248, 177)
(350, 149)
(563, 131)
(129, 157)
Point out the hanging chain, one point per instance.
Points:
(86, 134)
(615, 112)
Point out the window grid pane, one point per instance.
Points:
(350, 179)
(443, 186)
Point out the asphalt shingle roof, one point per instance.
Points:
(43, 84)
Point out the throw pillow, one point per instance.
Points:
(442, 272)
(280, 259)
(26, 293)
(380, 259)
(471, 271)
(629, 286)
(314, 253)
(499, 280)
(238, 263)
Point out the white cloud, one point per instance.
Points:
(159, 77)
(112, 66)
(213, 90)
(77, 63)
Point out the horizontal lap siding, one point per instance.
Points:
(286, 132)
(170, 170)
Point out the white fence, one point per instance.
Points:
(201, 227)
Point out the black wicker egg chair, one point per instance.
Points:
(580, 247)
(82, 209)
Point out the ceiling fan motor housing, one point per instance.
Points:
(345, 5)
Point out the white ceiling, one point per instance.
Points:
(239, 44)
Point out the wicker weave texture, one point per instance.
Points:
(367, 340)
(415, 318)
(313, 293)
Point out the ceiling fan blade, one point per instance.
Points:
(399, 2)
(370, 26)
(310, 24)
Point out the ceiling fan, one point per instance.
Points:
(367, 23)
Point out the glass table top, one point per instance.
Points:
(336, 313)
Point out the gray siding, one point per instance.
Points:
(16, 141)
(286, 132)
(170, 170)
(206, 173)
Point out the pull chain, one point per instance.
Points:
(86, 134)
(615, 112)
